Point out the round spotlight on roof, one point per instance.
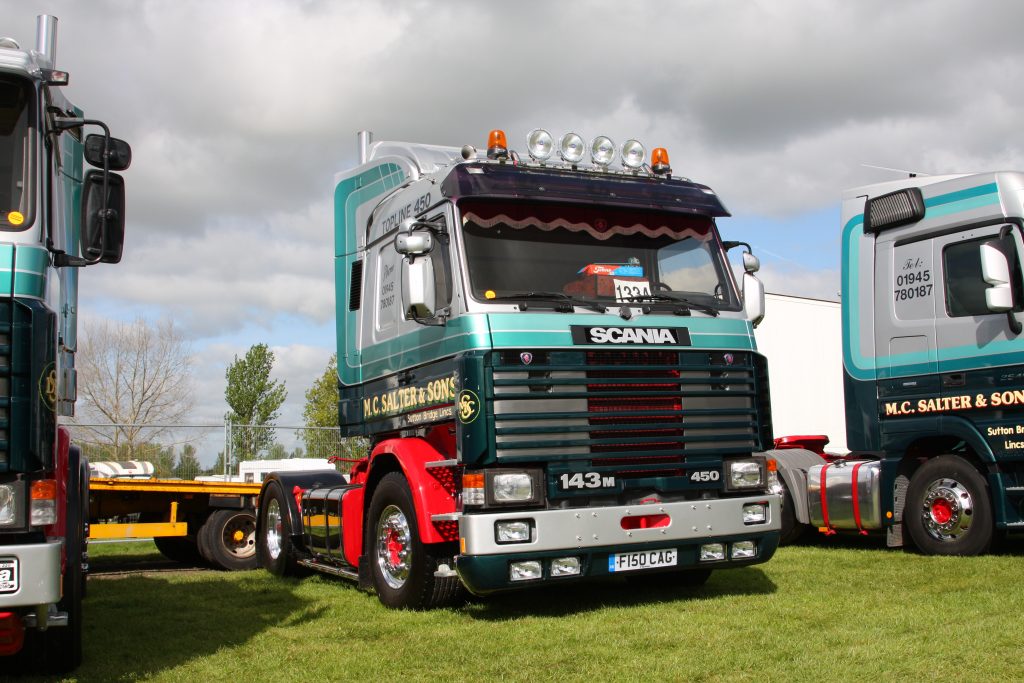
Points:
(540, 144)
(572, 148)
(602, 150)
(633, 154)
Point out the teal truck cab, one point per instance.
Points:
(556, 372)
(933, 359)
(55, 217)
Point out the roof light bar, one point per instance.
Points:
(572, 148)
(633, 154)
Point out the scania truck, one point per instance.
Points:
(555, 368)
(55, 218)
(933, 369)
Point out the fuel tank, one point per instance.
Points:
(844, 495)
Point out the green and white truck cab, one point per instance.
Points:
(933, 358)
(55, 217)
(556, 371)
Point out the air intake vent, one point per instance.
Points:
(893, 210)
(356, 286)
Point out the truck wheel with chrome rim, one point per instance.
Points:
(401, 565)
(948, 510)
(274, 548)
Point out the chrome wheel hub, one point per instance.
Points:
(947, 509)
(394, 538)
(272, 533)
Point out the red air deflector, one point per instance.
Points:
(645, 522)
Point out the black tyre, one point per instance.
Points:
(227, 540)
(275, 551)
(948, 510)
(792, 529)
(181, 549)
(401, 565)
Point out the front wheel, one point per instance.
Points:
(948, 510)
(401, 565)
(274, 548)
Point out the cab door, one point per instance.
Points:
(981, 359)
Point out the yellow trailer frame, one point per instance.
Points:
(166, 494)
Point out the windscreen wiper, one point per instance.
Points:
(568, 302)
(710, 310)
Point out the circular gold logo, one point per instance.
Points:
(48, 387)
(469, 406)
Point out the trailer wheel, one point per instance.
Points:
(228, 539)
(948, 510)
(274, 549)
(401, 565)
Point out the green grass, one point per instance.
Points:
(812, 613)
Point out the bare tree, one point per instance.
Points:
(133, 375)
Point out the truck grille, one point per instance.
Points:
(620, 407)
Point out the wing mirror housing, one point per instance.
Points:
(753, 299)
(995, 270)
(418, 292)
(414, 238)
(102, 217)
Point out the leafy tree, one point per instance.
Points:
(277, 452)
(255, 401)
(188, 463)
(322, 406)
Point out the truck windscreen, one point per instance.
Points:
(15, 153)
(594, 252)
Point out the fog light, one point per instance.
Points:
(633, 154)
(743, 550)
(755, 513)
(565, 566)
(517, 531)
(572, 148)
(710, 552)
(540, 144)
(602, 150)
(524, 571)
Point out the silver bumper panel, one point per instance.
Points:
(689, 521)
(39, 576)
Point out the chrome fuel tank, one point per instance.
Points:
(845, 495)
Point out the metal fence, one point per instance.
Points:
(190, 451)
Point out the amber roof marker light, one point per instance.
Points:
(497, 145)
(659, 162)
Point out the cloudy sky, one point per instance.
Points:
(240, 113)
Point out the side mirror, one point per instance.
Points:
(753, 298)
(102, 218)
(413, 241)
(751, 264)
(418, 294)
(996, 272)
(118, 152)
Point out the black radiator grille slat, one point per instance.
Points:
(630, 405)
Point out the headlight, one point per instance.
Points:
(745, 474)
(755, 513)
(513, 487)
(8, 505)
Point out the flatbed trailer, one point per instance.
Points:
(190, 521)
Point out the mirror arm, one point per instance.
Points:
(1011, 319)
(440, 318)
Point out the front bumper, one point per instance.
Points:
(39, 575)
(592, 534)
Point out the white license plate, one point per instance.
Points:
(8, 574)
(644, 559)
